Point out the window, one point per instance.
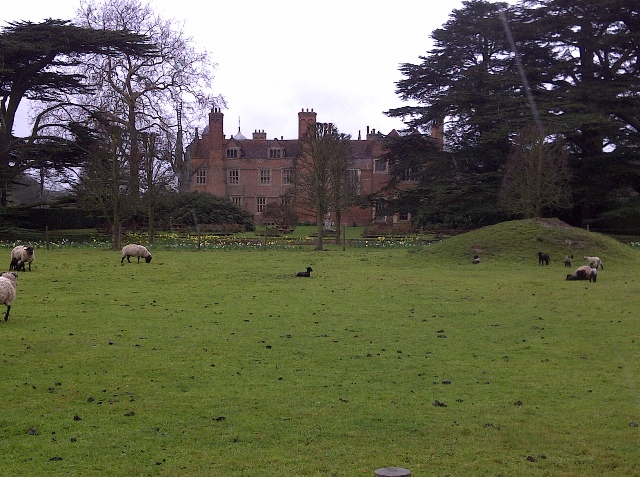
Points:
(380, 165)
(234, 176)
(403, 216)
(353, 179)
(381, 207)
(275, 153)
(201, 176)
(232, 152)
(287, 176)
(265, 176)
(409, 175)
(261, 202)
(237, 200)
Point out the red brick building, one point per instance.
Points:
(255, 171)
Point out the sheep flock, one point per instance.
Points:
(22, 255)
(584, 272)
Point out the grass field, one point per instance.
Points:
(222, 363)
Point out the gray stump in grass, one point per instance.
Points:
(392, 472)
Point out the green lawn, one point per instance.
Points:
(222, 363)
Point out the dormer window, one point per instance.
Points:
(233, 152)
(275, 153)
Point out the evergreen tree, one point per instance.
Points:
(572, 65)
(37, 62)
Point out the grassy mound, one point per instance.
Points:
(519, 241)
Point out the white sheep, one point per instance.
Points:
(595, 262)
(24, 253)
(135, 250)
(8, 284)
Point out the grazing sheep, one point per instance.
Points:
(305, 274)
(8, 284)
(24, 253)
(584, 273)
(17, 265)
(476, 260)
(543, 258)
(135, 250)
(594, 262)
(567, 260)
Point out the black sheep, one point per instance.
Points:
(543, 259)
(17, 265)
(305, 274)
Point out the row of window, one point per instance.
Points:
(353, 175)
(379, 165)
(273, 153)
(233, 176)
(261, 202)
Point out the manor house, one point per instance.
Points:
(255, 171)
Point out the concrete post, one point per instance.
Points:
(392, 472)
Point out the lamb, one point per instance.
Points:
(17, 265)
(476, 260)
(305, 274)
(24, 253)
(543, 258)
(584, 272)
(135, 250)
(567, 260)
(8, 284)
(594, 262)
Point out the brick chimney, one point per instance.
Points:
(216, 132)
(305, 119)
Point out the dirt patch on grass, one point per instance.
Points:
(552, 223)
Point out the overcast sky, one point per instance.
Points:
(277, 57)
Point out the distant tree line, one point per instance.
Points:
(539, 103)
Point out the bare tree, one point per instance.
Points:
(537, 174)
(318, 178)
(345, 180)
(157, 178)
(102, 182)
(141, 94)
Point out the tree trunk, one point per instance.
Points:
(116, 204)
(320, 223)
(115, 231)
(152, 217)
(338, 226)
